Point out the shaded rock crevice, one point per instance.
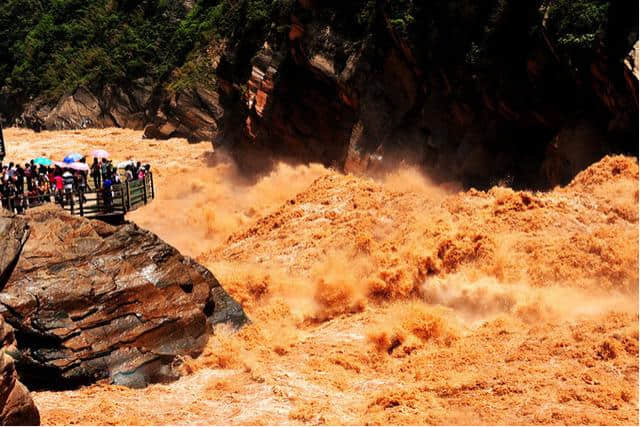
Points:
(16, 405)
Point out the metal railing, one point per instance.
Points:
(122, 198)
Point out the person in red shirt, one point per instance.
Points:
(59, 186)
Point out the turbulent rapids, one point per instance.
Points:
(388, 299)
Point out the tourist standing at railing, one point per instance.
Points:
(11, 170)
(106, 192)
(19, 179)
(44, 188)
(95, 173)
(81, 184)
(128, 173)
(5, 191)
(52, 180)
(58, 185)
(103, 168)
(29, 175)
(33, 169)
(68, 180)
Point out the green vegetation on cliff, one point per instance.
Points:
(49, 47)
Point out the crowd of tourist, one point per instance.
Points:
(30, 185)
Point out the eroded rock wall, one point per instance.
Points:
(331, 92)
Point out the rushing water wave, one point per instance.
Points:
(386, 301)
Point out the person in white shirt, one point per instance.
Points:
(67, 178)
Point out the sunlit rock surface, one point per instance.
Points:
(90, 300)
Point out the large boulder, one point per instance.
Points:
(16, 405)
(90, 300)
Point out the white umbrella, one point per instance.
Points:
(124, 164)
(100, 154)
(79, 166)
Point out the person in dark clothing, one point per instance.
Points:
(95, 173)
(29, 175)
(106, 192)
(19, 179)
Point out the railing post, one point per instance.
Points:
(80, 201)
(126, 183)
(144, 191)
(153, 192)
(124, 207)
(71, 201)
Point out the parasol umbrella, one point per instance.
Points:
(100, 154)
(72, 157)
(79, 166)
(124, 164)
(42, 161)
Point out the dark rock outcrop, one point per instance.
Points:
(16, 405)
(84, 108)
(13, 235)
(89, 301)
(334, 92)
(191, 114)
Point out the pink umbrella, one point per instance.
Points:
(78, 166)
(100, 154)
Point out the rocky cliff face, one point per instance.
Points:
(530, 92)
(332, 93)
(16, 405)
(84, 108)
(191, 114)
(89, 301)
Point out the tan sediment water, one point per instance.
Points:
(386, 301)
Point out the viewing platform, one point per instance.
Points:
(125, 197)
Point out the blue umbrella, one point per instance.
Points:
(42, 161)
(72, 157)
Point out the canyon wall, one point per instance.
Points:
(478, 92)
(472, 93)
